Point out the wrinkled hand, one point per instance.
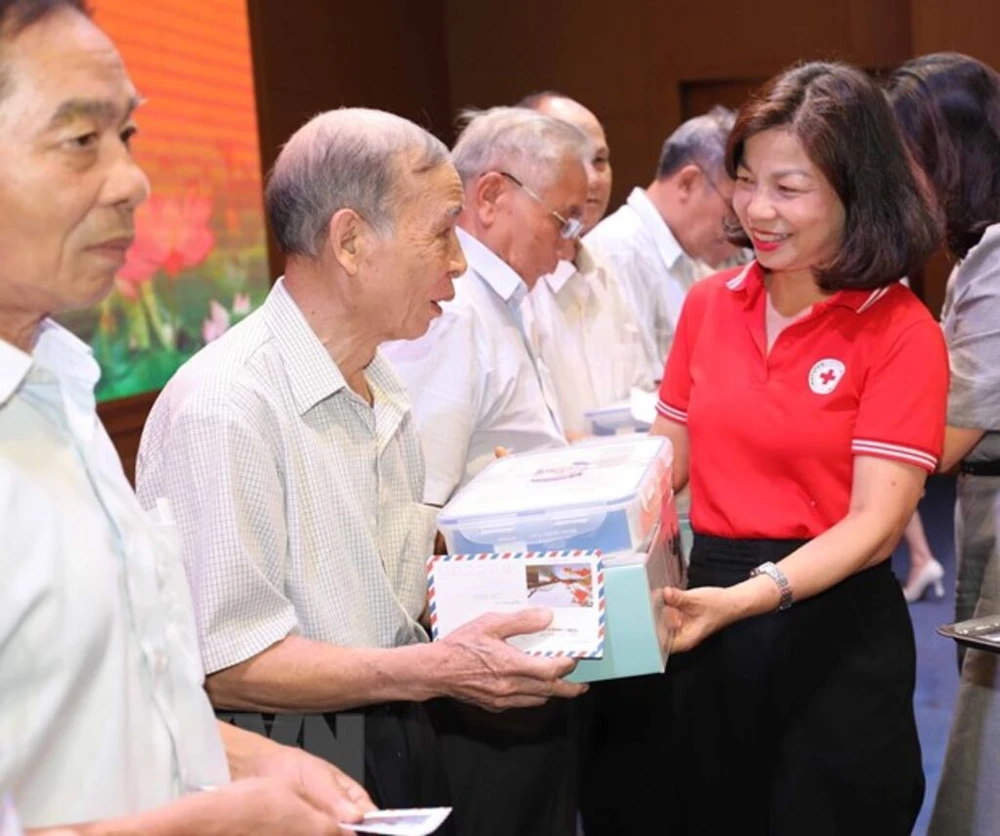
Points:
(481, 668)
(282, 806)
(696, 614)
(326, 786)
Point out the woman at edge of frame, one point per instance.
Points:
(805, 398)
(948, 108)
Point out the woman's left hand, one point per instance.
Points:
(698, 613)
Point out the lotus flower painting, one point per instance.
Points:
(199, 262)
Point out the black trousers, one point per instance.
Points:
(513, 773)
(626, 759)
(402, 761)
(798, 722)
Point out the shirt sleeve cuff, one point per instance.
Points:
(671, 412)
(226, 649)
(896, 452)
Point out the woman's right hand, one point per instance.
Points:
(698, 613)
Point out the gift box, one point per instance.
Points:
(606, 494)
(636, 634)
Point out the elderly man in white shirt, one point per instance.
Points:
(104, 724)
(475, 387)
(473, 379)
(670, 234)
(581, 327)
(290, 455)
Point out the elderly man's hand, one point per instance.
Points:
(326, 785)
(480, 667)
(283, 805)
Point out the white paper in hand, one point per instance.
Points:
(415, 822)
(643, 406)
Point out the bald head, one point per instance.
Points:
(350, 158)
(599, 176)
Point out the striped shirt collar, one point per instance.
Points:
(749, 282)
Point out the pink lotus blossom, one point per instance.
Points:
(241, 304)
(217, 323)
(172, 233)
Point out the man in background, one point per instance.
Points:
(670, 234)
(582, 328)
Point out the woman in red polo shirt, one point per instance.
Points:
(805, 398)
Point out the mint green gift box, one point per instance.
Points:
(636, 636)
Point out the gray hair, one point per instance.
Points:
(516, 138)
(700, 141)
(350, 158)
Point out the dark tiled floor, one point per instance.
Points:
(937, 672)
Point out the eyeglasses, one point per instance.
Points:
(570, 228)
(715, 188)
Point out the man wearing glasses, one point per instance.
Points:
(669, 234)
(474, 386)
(472, 379)
(582, 327)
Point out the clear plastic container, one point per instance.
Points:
(604, 494)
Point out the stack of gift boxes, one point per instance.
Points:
(611, 495)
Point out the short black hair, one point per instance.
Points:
(948, 108)
(845, 124)
(18, 15)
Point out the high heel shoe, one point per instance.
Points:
(930, 576)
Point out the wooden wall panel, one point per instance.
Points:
(605, 55)
(631, 61)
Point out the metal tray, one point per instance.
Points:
(980, 633)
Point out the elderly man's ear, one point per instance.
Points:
(688, 181)
(489, 192)
(347, 238)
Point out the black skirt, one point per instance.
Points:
(796, 722)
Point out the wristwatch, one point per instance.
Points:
(776, 575)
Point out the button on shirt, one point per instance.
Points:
(102, 710)
(585, 338)
(655, 273)
(472, 379)
(773, 435)
(298, 503)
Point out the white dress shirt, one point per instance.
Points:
(102, 710)
(472, 380)
(586, 339)
(655, 273)
(299, 505)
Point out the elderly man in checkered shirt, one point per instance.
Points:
(290, 457)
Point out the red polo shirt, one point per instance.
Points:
(773, 436)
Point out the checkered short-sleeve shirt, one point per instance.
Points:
(299, 504)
